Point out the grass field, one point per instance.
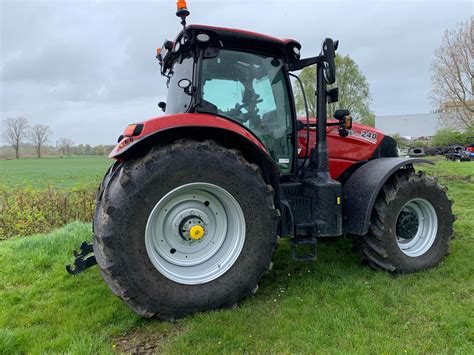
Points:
(57, 172)
(333, 305)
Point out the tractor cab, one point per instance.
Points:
(238, 75)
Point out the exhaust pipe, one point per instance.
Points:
(318, 185)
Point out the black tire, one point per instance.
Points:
(128, 199)
(379, 246)
(103, 185)
(417, 152)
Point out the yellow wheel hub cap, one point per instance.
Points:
(196, 232)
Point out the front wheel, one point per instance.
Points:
(189, 227)
(411, 225)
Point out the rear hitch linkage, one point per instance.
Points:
(82, 261)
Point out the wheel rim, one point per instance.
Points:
(416, 228)
(195, 233)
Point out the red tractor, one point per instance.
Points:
(190, 213)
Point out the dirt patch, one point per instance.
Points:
(145, 340)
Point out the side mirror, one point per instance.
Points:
(329, 54)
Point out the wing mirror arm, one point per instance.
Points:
(303, 63)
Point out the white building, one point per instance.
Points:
(420, 125)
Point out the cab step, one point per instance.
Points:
(303, 248)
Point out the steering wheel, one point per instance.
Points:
(237, 113)
(250, 108)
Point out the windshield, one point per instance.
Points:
(178, 99)
(251, 89)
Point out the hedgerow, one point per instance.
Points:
(25, 211)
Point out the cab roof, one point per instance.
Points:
(247, 40)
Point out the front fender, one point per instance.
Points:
(184, 120)
(361, 190)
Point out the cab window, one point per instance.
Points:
(246, 87)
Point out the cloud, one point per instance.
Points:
(87, 68)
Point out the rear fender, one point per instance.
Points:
(166, 129)
(361, 190)
(151, 127)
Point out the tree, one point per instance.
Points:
(38, 135)
(353, 87)
(452, 78)
(88, 150)
(14, 129)
(401, 142)
(64, 145)
(447, 136)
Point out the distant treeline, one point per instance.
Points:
(86, 149)
(24, 140)
(29, 151)
(442, 137)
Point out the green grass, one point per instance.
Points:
(332, 305)
(57, 172)
(42, 308)
(448, 170)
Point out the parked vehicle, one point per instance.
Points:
(458, 155)
(470, 151)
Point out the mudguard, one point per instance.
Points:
(164, 123)
(361, 190)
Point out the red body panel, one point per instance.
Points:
(166, 122)
(343, 152)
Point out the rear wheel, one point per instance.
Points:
(195, 233)
(411, 225)
(187, 228)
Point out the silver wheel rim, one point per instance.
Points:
(416, 227)
(196, 207)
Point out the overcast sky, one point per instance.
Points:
(88, 68)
